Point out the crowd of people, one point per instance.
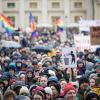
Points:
(27, 74)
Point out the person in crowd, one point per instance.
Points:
(80, 67)
(92, 96)
(5, 66)
(43, 81)
(38, 95)
(11, 72)
(17, 86)
(24, 91)
(93, 82)
(18, 65)
(83, 87)
(9, 95)
(62, 83)
(32, 89)
(49, 93)
(68, 74)
(56, 89)
(52, 80)
(5, 80)
(22, 77)
(69, 92)
(29, 76)
(2, 86)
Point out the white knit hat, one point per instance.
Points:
(51, 72)
(24, 89)
(48, 90)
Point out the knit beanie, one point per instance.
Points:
(24, 89)
(48, 90)
(68, 87)
(12, 66)
(52, 79)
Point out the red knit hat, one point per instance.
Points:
(68, 87)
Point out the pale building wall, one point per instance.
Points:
(44, 10)
(1, 4)
(97, 9)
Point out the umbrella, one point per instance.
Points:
(10, 44)
(41, 48)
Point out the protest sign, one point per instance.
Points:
(69, 58)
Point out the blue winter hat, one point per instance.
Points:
(12, 66)
(52, 79)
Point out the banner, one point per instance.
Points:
(84, 25)
(69, 57)
(82, 42)
(95, 35)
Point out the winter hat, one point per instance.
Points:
(22, 75)
(52, 79)
(12, 66)
(23, 90)
(32, 88)
(52, 73)
(83, 79)
(68, 87)
(39, 88)
(48, 90)
(18, 84)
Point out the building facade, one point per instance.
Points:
(46, 11)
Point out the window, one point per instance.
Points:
(76, 18)
(12, 18)
(33, 5)
(55, 5)
(78, 4)
(11, 5)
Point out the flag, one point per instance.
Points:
(33, 30)
(60, 24)
(6, 23)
